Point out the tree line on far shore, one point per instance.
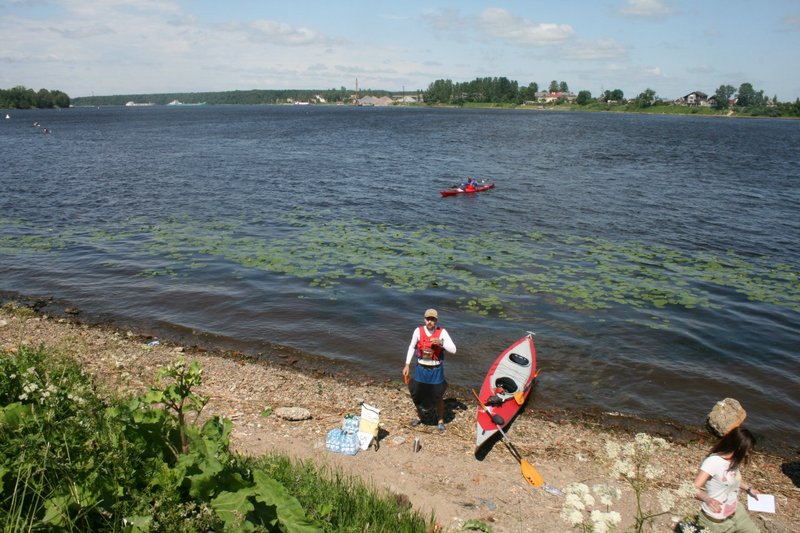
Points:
(508, 92)
(249, 97)
(20, 97)
(492, 91)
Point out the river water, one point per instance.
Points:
(655, 257)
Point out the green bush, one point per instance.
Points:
(73, 461)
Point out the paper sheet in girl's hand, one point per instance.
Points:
(764, 504)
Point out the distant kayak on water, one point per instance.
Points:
(459, 190)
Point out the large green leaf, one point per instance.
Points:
(206, 460)
(201, 471)
(233, 508)
(57, 510)
(290, 513)
(137, 524)
(13, 414)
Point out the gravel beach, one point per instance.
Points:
(445, 477)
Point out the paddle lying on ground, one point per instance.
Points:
(528, 471)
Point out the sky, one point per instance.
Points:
(674, 47)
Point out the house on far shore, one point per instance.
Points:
(547, 97)
(695, 98)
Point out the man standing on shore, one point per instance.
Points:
(429, 343)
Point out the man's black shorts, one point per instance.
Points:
(426, 394)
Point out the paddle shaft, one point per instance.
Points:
(530, 474)
(506, 440)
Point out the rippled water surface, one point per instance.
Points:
(655, 257)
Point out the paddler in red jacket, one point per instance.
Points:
(470, 185)
(428, 346)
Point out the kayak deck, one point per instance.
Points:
(506, 387)
(453, 192)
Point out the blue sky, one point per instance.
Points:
(104, 47)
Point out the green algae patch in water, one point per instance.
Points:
(490, 273)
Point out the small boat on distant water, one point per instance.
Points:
(178, 102)
(138, 104)
(481, 188)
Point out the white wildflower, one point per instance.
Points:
(623, 468)
(599, 524)
(687, 490)
(577, 488)
(574, 501)
(607, 494)
(660, 443)
(612, 449)
(666, 500)
(653, 471)
(572, 516)
(588, 499)
(75, 398)
(629, 450)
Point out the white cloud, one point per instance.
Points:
(281, 33)
(654, 72)
(445, 20)
(646, 8)
(83, 31)
(501, 24)
(607, 49)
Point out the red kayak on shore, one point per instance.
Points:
(453, 192)
(506, 388)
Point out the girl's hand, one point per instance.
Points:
(714, 505)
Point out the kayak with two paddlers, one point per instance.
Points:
(468, 188)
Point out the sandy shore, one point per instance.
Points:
(444, 477)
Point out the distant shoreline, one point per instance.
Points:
(655, 110)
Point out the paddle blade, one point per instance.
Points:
(531, 474)
(519, 397)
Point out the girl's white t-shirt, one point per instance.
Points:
(722, 485)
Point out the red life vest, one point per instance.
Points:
(470, 187)
(424, 343)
